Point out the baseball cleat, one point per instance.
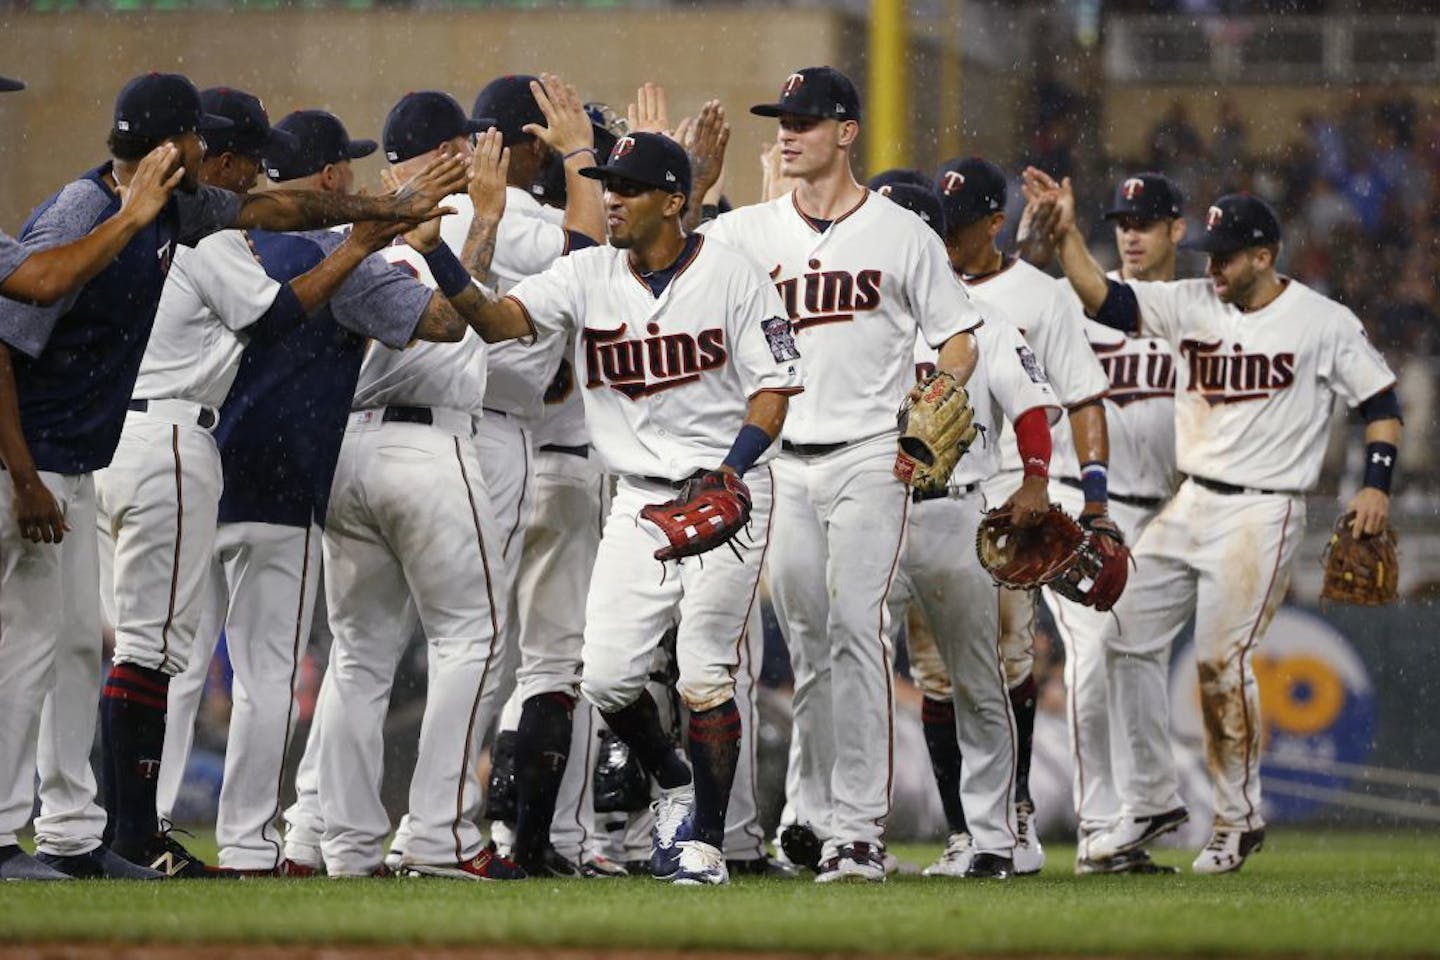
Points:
(1134, 862)
(102, 863)
(395, 860)
(548, 863)
(955, 860)
(1228, 850)
(1132, 833)
(164, 853)
(1029, 854)
(763, 866)
(602, 868)
(990, 866)
(801, 846)
(485, 865)
(17, 865)
(700, 865)
(299, 871)
(672, 826)
(854, 861)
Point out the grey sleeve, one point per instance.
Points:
(12, 254)
(74, 212)
(206, 211)
(381, 301)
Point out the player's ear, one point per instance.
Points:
(849, 132)
(1177, 230)
(997, 222)
(674, 204)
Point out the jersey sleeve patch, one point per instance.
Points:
(1031, 363)
(780, 338)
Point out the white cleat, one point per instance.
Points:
(672, 816)
(959, 851)
(854, 861)
(1132, 833)
(1029, 854)
(700, 865)
(1228, 850)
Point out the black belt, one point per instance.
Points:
(581, 450)
(1219, 486)
(397, 414)
(1144, 503)
(920, 496)
(810, 449)
(674, 484)
(495, 413)
(205, 421)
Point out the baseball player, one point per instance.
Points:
(1140, 419)
(1261, 359)
(858, 277)
(957, 662)
(973, 193)
(74, 364)
(279, 434)
(663, 401)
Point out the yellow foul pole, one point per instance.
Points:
(887, 137)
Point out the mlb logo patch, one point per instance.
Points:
(1031, 363)
(780, 338)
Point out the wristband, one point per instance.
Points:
(576, 153)
(1380, 465)
(450, 274)
(1095, 481)
(749, 444)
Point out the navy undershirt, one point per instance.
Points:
(658, 280)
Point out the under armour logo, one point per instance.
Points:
(1384, 458)
(1213, 216)
(1132, 188)
(622, 146)
(953, 183)
(792, 84)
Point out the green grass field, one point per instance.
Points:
(1307, 893)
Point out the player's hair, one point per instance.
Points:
(129, 147)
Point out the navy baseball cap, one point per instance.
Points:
(512, 106)
(970, 189)
(249, 132)
(10, 86)
(1234, 222)
(160, 105)
(889, 178)
(922, 201)
(318, 140)
(814, 92)
(1147, 196)
(649, 158)
(422, 121)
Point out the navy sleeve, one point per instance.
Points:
(285, 311)
(1120, 311)
(574, 240)
(206, 211)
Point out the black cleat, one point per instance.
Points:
(763, 866)
(990, 866)
(1135, 862)
(548, 863)
(102, 863)
(164, 853)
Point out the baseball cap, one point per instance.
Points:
(422, 121)
(1234, 222)
(922, 201)
(814, 92)
(649, 158)
(888, 178)
(160, 105)
(249, 132)
(10, 86)
(318, 139)
(970, 189)
(1147, 196)
(509, 101)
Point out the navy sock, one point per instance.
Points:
(133, 722)
(639, 726)
(1022, 699)
(714, 752)
(542, 747)
(938, 718)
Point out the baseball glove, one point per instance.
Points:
(710, 510)
(1363, 570)
(936, 429)
(1024, 558)
(1098, 574)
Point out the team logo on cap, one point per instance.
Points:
(954, 183)
(1213, 216)
(622, 147)
(1132, 188)
(792, 83)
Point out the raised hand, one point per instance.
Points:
(418, 198)
(149, 189)
(489, 167)
(567, 125)
(649, 113)
(424, 236)
(705, 139)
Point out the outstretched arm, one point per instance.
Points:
(569, 133)
(1084, 274)
(285, 210)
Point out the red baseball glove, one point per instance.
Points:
(1027, 557)
(709, 511)
(1100, 570)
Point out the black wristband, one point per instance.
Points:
(450, 274)
(1380, 465)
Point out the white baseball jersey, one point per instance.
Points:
(1254, 391)
(1047, 315)
(1007, 382)
(855, 291)
(527, 241)
(666, 379)
(212, 292)
(424, 374)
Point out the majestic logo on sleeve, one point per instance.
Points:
(1135, 372)
(828, 296)
(1132, 188)
(641, 368)
(1235, 376)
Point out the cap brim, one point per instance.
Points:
(281, 138)
(480, 124)
(213, 121)
(607, 171)
(1208, 243)
(10, 86)
(361, 148)
(781, 109)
